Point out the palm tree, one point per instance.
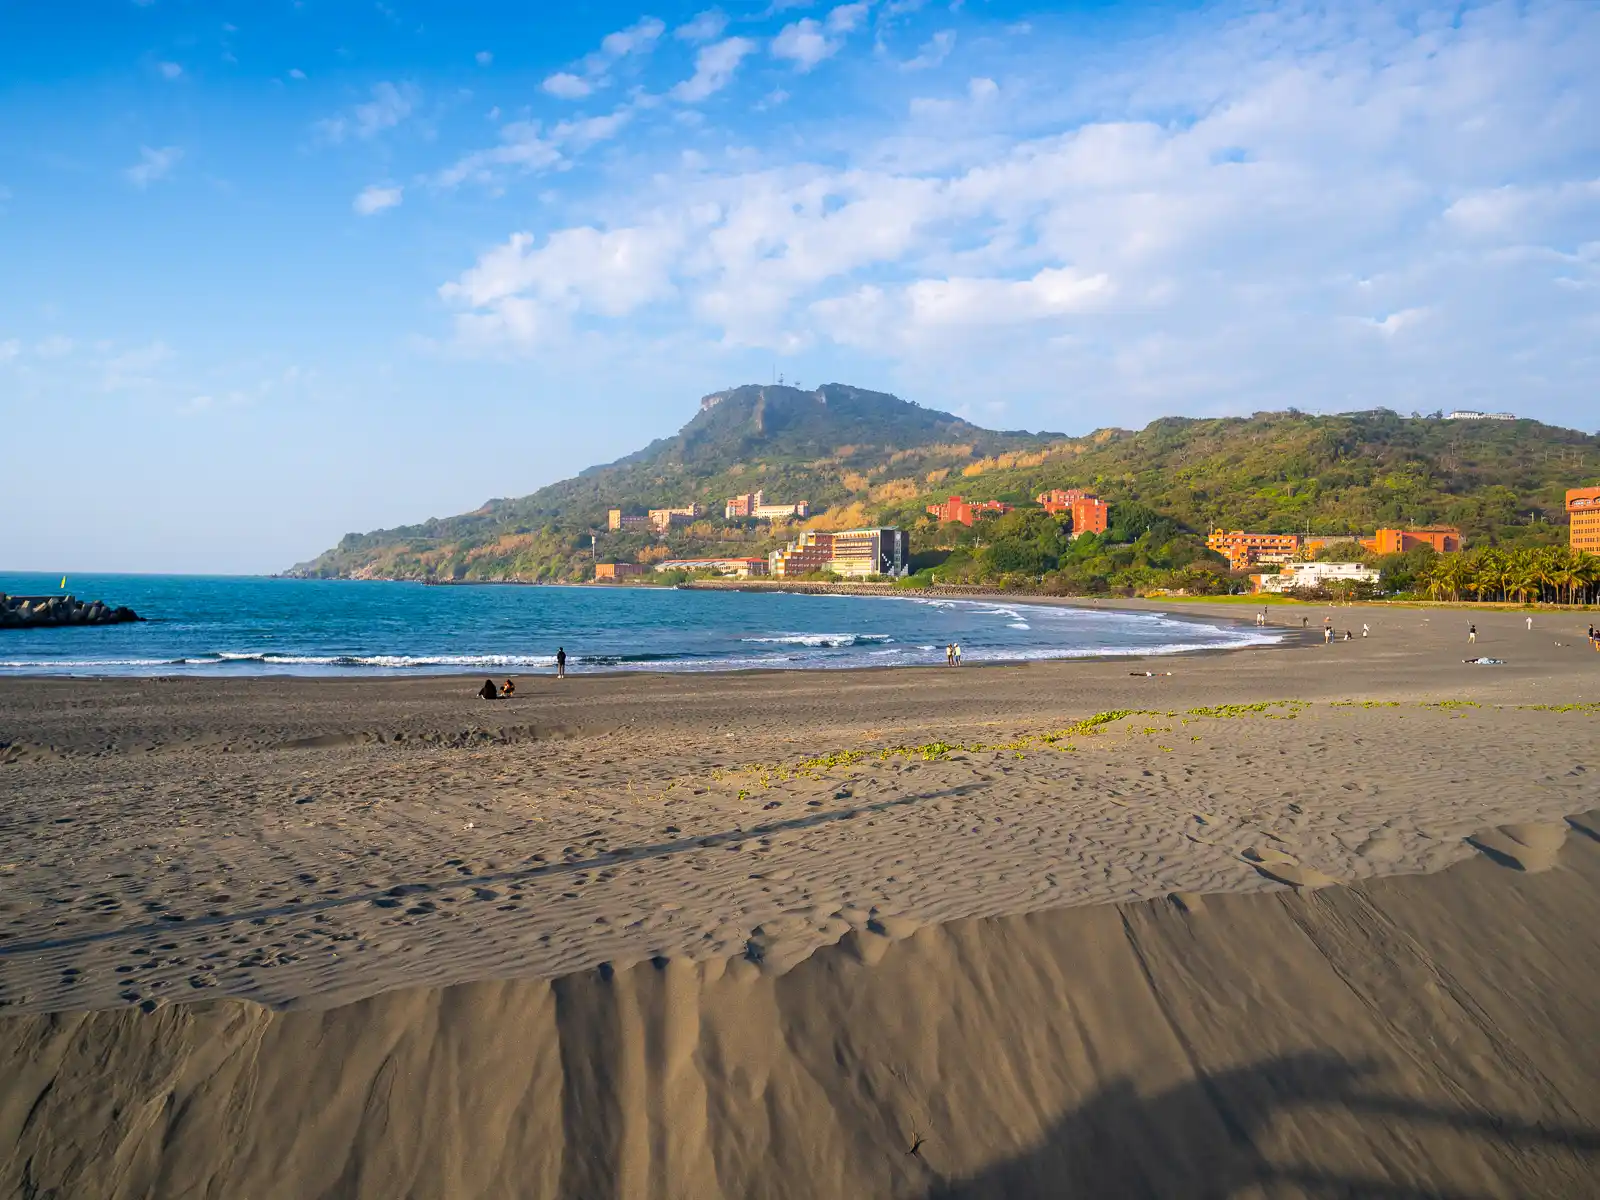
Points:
(1523, 575)
(1586, 572)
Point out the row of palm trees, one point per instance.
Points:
(1539, 575)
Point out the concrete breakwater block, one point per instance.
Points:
(31, 612)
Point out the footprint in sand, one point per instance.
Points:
(1286, 868)
(1383, 846)
(1530, 848)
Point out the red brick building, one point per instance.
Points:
(957, 509)
(1089, 513)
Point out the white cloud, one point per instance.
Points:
(54, 346)
(639, 36)
(1236, 211)
(804, 44)
(170, 70)
(152, 165)
(376, 198)
(969, 302)
(296, 73)
(847, 17)
(567, 85)
(1392, 324)
(520, 293)
(933, 52)
(705, 27)
(134, 368)
(9, 349)
(714, 67)
(390, 104)
(483, 57)
(527, 146)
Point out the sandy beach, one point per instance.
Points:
(1302, 920)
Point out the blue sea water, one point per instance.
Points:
(255, 626)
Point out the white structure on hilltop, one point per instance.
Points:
(1295, 576)
(1467, 414)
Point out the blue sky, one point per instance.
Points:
(276, 271)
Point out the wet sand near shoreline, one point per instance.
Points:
(309, 845)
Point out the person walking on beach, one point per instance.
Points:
(1530, 624)
(1327, 635)
(1472, 635)
(1304, 621)
(958, 653)
(1364, 630)
(950, 654)
(561, 662)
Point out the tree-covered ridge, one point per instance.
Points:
(867, 458)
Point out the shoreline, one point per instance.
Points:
(246, 669)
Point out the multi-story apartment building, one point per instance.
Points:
(1089, 513)
(782, 512)
(754, 504)
(1583, 514)
(811, 551)
(615, 520)
(1244, 550)
(957, 509)
(852, 553)
(861, 552)
(662, 519)
(1445, 539)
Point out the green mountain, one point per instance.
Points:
(833, 447)
(866, 457)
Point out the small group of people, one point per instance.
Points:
(952, 654)
(509, 689)
(1594, 637)
(1330, 634)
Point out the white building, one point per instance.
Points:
(1295, 576)
(1467, 414)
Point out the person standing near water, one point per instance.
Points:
(561, 662)
(957, 649)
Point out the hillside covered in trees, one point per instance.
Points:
(864, 457)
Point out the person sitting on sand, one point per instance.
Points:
(488, 691)
(508, 689)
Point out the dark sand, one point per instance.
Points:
(616, 937)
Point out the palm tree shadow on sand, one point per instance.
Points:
(1202, 1139)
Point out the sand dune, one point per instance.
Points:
(1403, 1037)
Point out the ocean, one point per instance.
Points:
(258, 626)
